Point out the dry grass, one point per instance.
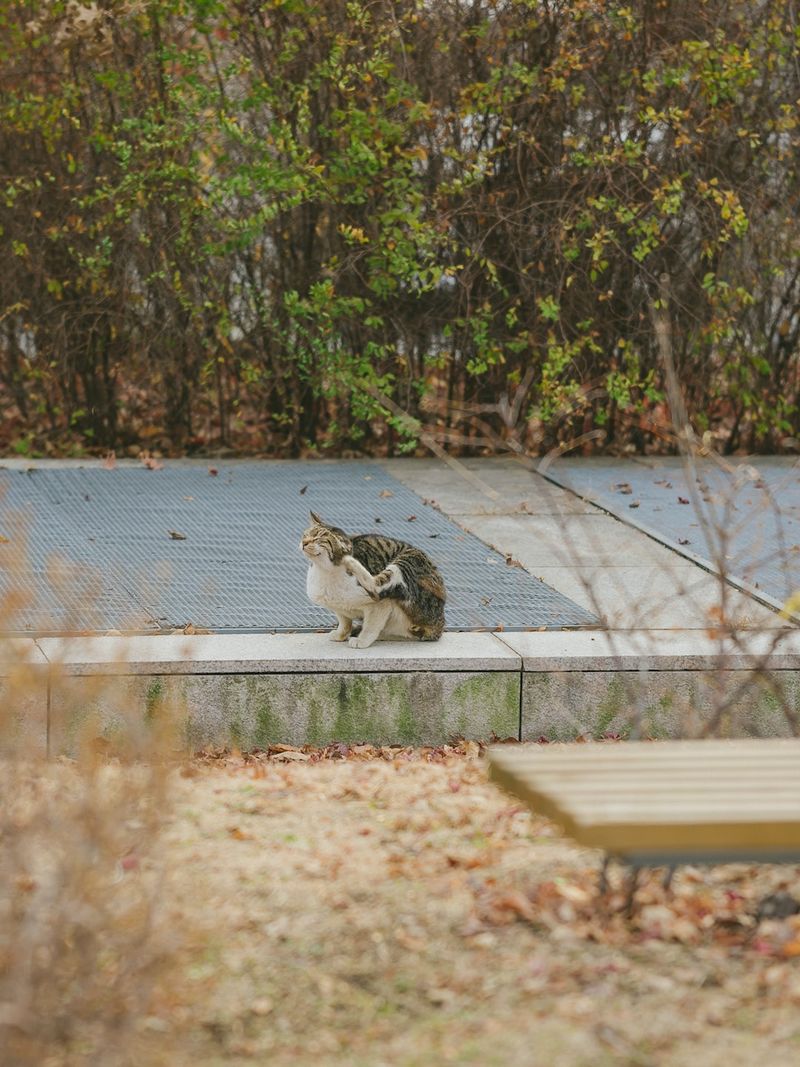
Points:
(384, 908)
(404, 912)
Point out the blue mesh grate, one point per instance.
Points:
(744, 520)
(239, 567)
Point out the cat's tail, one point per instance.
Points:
(430, 631)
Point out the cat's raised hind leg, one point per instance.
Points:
(373, 585)
(343, 630)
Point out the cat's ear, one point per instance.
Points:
(315, 518)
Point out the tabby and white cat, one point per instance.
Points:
(392, 587)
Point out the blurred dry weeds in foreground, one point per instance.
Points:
(85, 944)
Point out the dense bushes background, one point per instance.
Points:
(240, 224)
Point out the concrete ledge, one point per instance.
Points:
(655, 650)
(568, 650)
(273, 654)
(254, 690)
(16, 652)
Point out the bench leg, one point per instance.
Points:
(602, 881)
(633, 885)
(633, 881)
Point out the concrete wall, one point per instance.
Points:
(253, 691)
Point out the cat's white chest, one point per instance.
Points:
(334, 588)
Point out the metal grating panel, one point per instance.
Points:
(239, 567)
(747, 516)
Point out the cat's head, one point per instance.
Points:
(321, 541)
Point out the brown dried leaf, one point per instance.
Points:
(574, 894)
(239, 835)
(176, 535)
(508, 905)
(364, 750)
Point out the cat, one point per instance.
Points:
(392, 587)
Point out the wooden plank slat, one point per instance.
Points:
(590, 805)
(748, 781)
(653, 752)
(592, 810)
(749, 784)
(699, 745)
(732, 796)
(624, 837)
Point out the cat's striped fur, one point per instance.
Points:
(392, 586)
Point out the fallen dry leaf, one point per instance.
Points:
(290, 757)
(574, 893)
(508, 905)
(176, 535)
(386, 493)
(110, 461)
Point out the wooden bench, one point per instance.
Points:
(664, 803)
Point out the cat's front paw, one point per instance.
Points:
(338, 635)
(359, 642)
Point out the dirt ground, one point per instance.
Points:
(397, 909)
